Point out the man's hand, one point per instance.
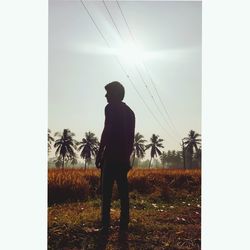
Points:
(98, 164)
(98, 161)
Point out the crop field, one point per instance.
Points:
(165, 210)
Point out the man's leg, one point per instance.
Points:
(122, 185)
(107, 185)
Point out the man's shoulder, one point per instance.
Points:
(127, 107)
(129, 111)
(110, 108)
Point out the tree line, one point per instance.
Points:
(67, 147)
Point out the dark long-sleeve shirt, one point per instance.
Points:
(118, 134)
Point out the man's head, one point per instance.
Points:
(115, 92)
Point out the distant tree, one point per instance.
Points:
(191, 142)
(71, 160)
(88, 147)
(144, 164)
(183, 154)
(65, 145)
(58, 162)
(50, 139)
(74, 161)
(168, 157)
(154, 146)
(164, 158)
(139, 147)
(173, 158)
(137, 162)
(197, 157)
(156, 163)
(178, 159)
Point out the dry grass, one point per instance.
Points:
(71, 185)
(152, 226)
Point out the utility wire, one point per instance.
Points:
(139, 73)
(130, 80)
(154, 85)
(149, 92)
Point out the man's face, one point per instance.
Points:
(111, 98)
(108, 97)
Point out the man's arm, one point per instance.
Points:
(132, 115)
(104, 139)
(132, 135)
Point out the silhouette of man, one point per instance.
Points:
(114, 153)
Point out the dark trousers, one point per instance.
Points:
(109, 175)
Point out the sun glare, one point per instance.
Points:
(127, 53)
(131, 54)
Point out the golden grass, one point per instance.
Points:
(67, 185)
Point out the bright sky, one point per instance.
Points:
(168, 43)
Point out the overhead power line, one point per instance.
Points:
(138, 71)
(123, 69)
(153, 83)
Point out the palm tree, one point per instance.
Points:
(191, 142)
(71, 160)
(164, 158)
(65, 145)
(183, 153)
(74, 161)
(88, 146)
(139, 147)
(197, 157)
(58, 162)
(178, 159)
(50, 139)
(154, 145)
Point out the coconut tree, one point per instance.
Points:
(164, 158)
(191, 142)
(88, 147)
(154, 145)
(74, 161)
(50, 139)
(139, 147)
(71, 160)
(65, 145)
(58, 162)
(183, 153)
(197, 157)
(178, 159)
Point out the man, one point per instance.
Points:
(114, 153)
